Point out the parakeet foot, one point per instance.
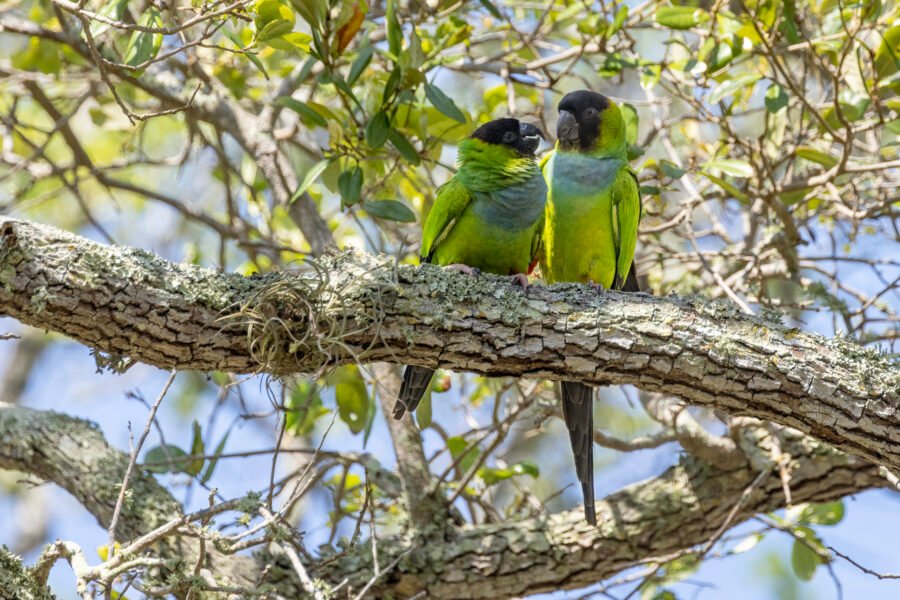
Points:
(471, 271)
(597, 286)
(521, 279)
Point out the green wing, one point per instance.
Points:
(626, 206)
(452, 199)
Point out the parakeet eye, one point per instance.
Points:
(509, 137)
(590, 112)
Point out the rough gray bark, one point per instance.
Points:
(642, 523)
(73, 454)
(350, 307)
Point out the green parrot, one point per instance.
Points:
(590, 233)
(488, 218)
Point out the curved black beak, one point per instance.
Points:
(567, 129)
(529, 138)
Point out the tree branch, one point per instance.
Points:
(358, 307)
(354, 307)
(647, 522)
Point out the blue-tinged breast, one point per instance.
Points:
(514, 207)
(583, 175)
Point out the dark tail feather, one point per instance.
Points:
(578, 410)
(415, 382)
(631, 281)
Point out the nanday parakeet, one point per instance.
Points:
(590, 233)
(487, 218)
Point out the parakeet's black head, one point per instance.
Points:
(524, 138)
(588, 122)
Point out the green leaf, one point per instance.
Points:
(303, 408)
(211, 465)
(776, 98)
(887, 57)
(143, 46)
(391, 210)
(40, 55)
(681, 17)
(394, 32)
(731, 166)
(493, 476)
(618, 21)
(311, 176)
(817, 156)
(443, 103)
(164, 459)
(804, 560)
(731, 189)
(250, 55)
(312, 11)
(197, 449)
(273, 19)
(350, 186)
(377, 130)
(457, 446)
(492, 9)
(731, 86)
(828, 513)
(391, 85)
(671, 169)
(352, 397)
(113, 10)
(291, 42)
(630, 115)
(404, 146)
(359, 65)
(306, 113)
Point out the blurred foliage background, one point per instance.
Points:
(247, 136)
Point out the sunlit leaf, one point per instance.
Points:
(113, 10)
(457, 447)
(730, 166)
(747, 544)
(310, 177)
(493, 476)
(730, 86)
(817, 156)
(680, 17)
(303, 407)
(804, 560)
(619, 20)
(776, 98)
(828, 513)
(352, 397)
(142, 45)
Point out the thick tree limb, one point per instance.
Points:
(357, 307)
(646, 522)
